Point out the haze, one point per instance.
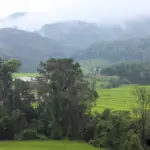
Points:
(48, 11)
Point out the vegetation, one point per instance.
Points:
(23, 45)
(80, 35)
(134, 73)
(88, 65)
(65, 104)
(45, 145)
(25, 75)
(121, 98)
(117, 51)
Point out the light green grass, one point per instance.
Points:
(46, 145)
(116, 99)
(25, 75)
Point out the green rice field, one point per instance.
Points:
(117, 98)
(45, 145)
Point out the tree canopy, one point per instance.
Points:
(135, 73)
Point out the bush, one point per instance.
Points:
(30, 134)
(115, 83)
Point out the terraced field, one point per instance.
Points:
(116, 99)
(46, 145)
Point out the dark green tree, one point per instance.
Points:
(65, 96)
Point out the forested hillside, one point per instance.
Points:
(135, 72)
(79, 34)
(82, 41)
(28, 47)
(119, 50)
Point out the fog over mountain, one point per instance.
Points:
(32, 15)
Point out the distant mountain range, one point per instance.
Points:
(31, 38)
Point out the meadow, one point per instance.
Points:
(45, 145)
(25, 74)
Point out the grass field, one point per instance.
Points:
(45, 145)
(116, 98)
(25, 74)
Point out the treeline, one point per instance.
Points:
(135, 72)
(62, 108)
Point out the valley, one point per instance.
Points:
(74, 84)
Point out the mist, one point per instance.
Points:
(96, 11)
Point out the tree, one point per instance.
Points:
(13, 65)
(112, 131)
(142, 113)
(66, 96)
(15, 101)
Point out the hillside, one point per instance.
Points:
(119, 50)
(81, 34)
(75, 34)
(28, 47)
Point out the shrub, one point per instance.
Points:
(30, 134)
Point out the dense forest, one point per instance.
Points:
(62, 108)
(134, 72)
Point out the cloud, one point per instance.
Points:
(86, 10)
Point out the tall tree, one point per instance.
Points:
(67, 97)
(142, 113)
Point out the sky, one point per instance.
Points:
(85, 10)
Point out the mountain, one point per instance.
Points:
(80, 35)
(119, 50)
(24, 34)
(29, 47)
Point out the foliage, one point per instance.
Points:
(23, 45)
(143, 99)
(112, 131)
(93, 63)
(135, 73)
(114, 83)
(64, 109)
(134, 49)
(67, 97)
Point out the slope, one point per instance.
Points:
(79, 34)
(117, 51)
(29, 47)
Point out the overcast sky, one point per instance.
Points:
(82, 9)
(60, 10)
